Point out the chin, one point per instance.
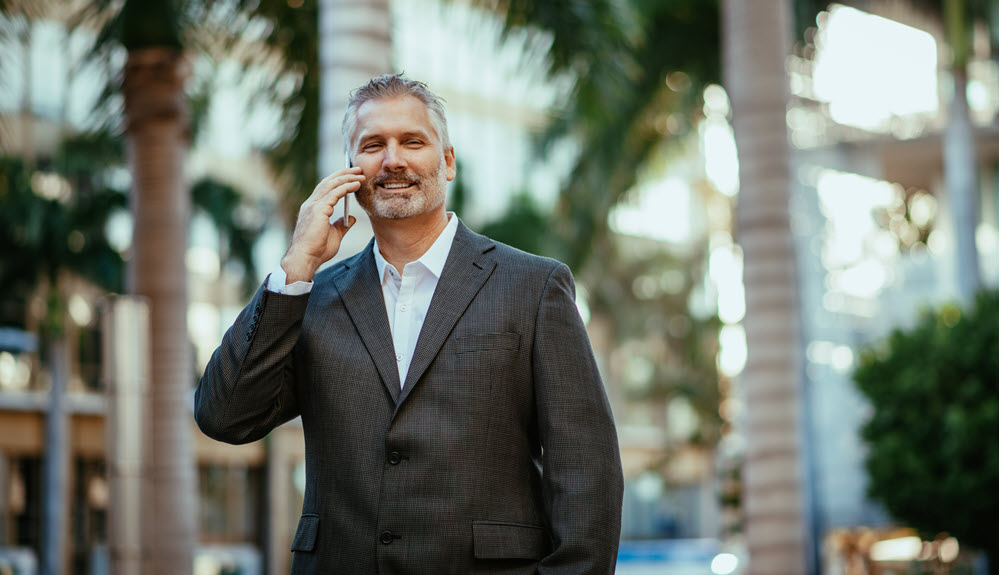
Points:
(398, 208)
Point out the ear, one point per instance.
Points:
(449, 162)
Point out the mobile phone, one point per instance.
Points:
(347, 197)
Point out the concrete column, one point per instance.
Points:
(961, 171)
(55, 471)
(125, 333)
(278, 487)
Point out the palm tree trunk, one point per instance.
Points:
(157, 124)
(757, 36)
(355, 45)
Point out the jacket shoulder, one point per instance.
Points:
(526, 262)
(516, 260)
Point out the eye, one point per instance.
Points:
(371, 146)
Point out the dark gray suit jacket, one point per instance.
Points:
(498, 455)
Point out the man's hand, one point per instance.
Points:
(315, 241)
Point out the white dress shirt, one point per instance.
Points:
(407, 296)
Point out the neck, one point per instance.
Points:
(403, 241)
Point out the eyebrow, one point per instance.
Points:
(408, 134)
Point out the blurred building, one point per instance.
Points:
(872, 216)
(250, 496)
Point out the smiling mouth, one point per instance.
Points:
(394, 187)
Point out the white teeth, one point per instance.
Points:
(395, 186)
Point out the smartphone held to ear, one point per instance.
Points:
(347, 197)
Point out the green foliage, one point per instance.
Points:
(596, 29)
(236, 222)
(932, 437)
(620, 105)
(524, 225)
(42, 236)
(644, 290)
(458, 191)
(149, 23)
(293, 33)
(618, 55)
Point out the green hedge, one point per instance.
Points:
(932, 437)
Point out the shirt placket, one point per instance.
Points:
(402, 323)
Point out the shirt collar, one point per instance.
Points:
(435, 256)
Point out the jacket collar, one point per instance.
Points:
(469, 265)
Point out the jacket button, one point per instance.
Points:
(386, 537)
(394, 458)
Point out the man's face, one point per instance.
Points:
(406, 169)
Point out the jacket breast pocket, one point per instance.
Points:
(305, 534)
(508, 341)
(501, 540)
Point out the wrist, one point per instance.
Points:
(298, 268)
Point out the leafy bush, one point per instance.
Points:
(932, 437)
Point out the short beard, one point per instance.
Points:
(430, 195)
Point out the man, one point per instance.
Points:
(454, 417)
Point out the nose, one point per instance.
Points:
(393, 160)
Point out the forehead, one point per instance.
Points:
(388, 116)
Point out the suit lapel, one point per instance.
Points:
(466, 270)
(361, 291)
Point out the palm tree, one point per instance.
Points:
(52, 244)
(156, 129)
(757, 41)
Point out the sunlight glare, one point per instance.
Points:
(848, 200)
(732, 350)
(718, 144)
(871, 69)
(662, 212)
(725, 267)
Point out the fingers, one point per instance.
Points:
(334, 180)
(333, 195)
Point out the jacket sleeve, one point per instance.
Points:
(248, 388)
(581, 463)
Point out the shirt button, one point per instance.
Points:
(394, 458)
(402, 307)
(385, 537)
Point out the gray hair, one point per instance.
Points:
(392, 86)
